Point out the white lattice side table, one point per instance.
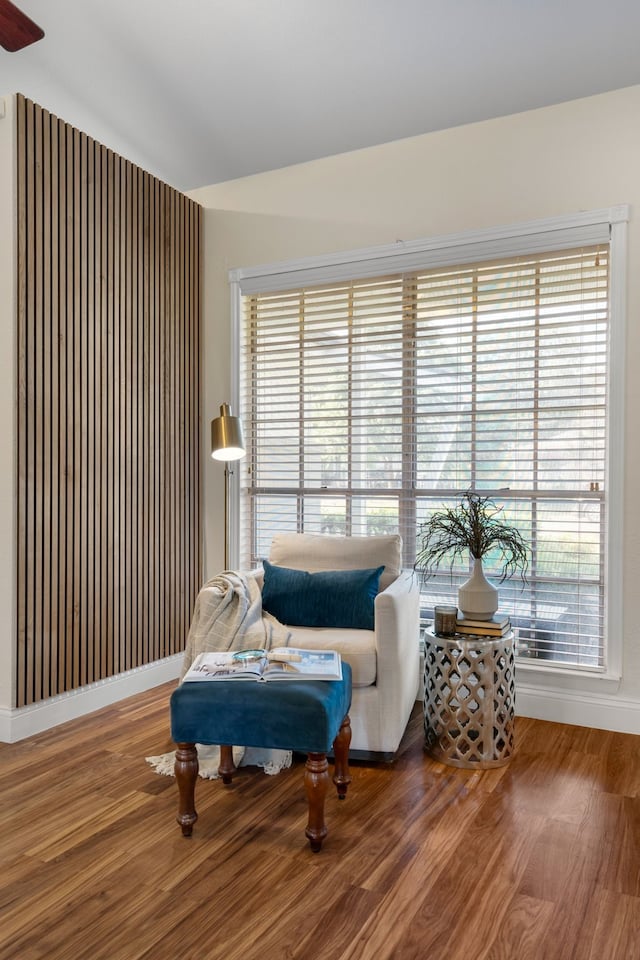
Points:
(469, 699)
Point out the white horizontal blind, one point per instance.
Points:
(369, 403)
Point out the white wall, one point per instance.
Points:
(7, 397)
(575, 156)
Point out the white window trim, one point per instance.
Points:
(233, 505)
(554, 233)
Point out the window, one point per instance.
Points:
(372, 400)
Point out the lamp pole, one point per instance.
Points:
(227, 444)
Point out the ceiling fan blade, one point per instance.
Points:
(16, 29)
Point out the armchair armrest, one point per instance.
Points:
(397, 630)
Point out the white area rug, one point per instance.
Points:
(271, 761)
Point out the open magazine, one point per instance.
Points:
(281, 663)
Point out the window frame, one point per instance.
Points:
(608, 225)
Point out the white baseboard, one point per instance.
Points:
(16, 724)
(584, 709)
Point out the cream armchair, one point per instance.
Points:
(384, 660)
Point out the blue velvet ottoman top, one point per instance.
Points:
(301, 715)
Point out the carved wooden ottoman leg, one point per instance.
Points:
(186, 771)
(341, 775)
(227, 767)
(316, 781)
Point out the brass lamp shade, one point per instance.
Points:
(227, 441)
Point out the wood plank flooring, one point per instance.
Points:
(538, 860)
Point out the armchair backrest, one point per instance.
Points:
(316, 551)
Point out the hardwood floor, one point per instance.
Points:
(538, 860)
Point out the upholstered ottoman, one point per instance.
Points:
(306, 716)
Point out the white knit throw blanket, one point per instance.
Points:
(228, 615)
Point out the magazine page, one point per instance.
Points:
(224, 666)
(304, 665)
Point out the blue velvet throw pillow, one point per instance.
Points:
(329, 598)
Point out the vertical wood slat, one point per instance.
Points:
(54, 313)
(143, 418)
(21, 407)
(104, 455)
(60, 428)
(38, 433)
(108, 539)
(30, 465)
(68, 321)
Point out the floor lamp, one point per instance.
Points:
(227, 444)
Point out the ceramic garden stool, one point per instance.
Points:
(306, 716)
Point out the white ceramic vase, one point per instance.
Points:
(477, 597)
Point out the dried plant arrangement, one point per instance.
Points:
(472, 527)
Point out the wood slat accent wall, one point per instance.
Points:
(109, 550)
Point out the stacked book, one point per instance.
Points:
(497, 626)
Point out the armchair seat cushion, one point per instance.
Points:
(356, 647)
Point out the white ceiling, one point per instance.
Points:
(201, 91)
